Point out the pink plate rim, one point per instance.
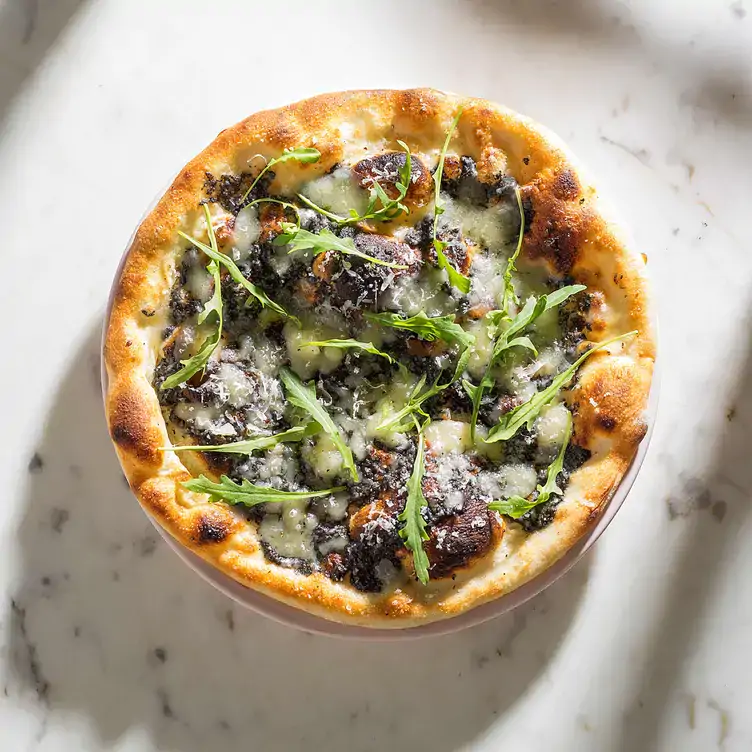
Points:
(290, 616)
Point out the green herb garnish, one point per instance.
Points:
(247, 493)
(304, 396)
(414, 532)
(213, 252)
(456, 278)
(508, 338)
(429, 328)
(303, 154)
(419, 394)
(213, 308)
(252, 445)
(509, 294)
(326, 240)
(390, 208)
(516, 506)
(527, 412)
(286, 204)
(345, 344)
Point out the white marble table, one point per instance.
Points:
(109, 642)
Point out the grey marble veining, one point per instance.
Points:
(107, 641)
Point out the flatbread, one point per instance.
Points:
(569, 237)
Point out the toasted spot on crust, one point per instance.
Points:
(559, 227)
(131, 429)
(565, 185)
(211, 528)
(606, 422)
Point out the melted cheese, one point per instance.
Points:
(551, 426)
(518, 480)
(246, 232)
(237, 388)
(204, 418)
(482, 348)
(448, 436)
(200, 283)
(338, 192)
(279, 464)
(550, 361)
(290, 533)
(487, 273)
(426, 292)
(323, 457)
(491, 226)
(332, 507)
(306, 361)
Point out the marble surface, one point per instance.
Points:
(108, 642)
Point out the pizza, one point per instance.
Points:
(381, 355)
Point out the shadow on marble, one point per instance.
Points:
(110, 626)
(28, 28)
(712, 506)
(718, 86)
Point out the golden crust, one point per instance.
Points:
(570, 231)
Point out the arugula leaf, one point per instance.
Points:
(507, 339)
(412, 407)
(429, 328)
(326, 240)
(456, 278)
(516, 506)
(213, 252)
(247, 493)
(303, 154)
(528, 411)
(509, 293)
(286, 204)
(355, 344)
(304, 396)
(390, 208)
(213, 306)
(252, 445)
(414, 532)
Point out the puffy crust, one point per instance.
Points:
(569, 230)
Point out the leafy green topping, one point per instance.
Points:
(401, 421)
(252, 445)
(527, 412)
(456, 278)
(516, 506)
(213, 308)
(414, 532)
(429, 328)
(326, 240)
(344, 344)
(509, 294)
(247, 493)
(507, 338)
(213, 252)
(286, 204)
(304, 396)
(303, 154)
(389, 209)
